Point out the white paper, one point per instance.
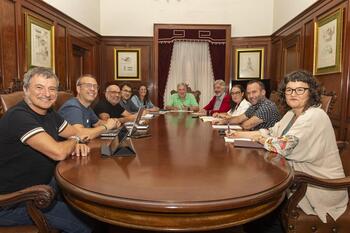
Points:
(148, 116)
(225, 127)
(227, 139)
(208, 118)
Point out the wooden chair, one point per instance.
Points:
(328, 100)
(11, 99)
(196, 93)
(274, 97)
(35, 198)
(296, 221)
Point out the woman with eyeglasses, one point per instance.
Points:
(142, 99)
(238, 103)
(305, 137)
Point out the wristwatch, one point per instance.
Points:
(76, 138)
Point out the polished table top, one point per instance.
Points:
(184, 167)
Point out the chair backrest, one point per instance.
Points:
(196, 93)
(328, 100)
(10, 100)
(62, 97)
(274, 97)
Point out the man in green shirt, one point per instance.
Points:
(182, 100)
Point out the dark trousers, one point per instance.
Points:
(59, 215)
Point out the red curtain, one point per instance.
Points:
(164, 58)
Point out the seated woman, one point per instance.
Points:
(305, 137)
(142, 99)
(238, 103)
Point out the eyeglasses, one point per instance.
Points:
(89, 85)
(114, 92)
(298, 90)
(127, 91)
(236, 93)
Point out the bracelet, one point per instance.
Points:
(104, 126)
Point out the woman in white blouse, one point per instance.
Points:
(305, 137)
(238, 103)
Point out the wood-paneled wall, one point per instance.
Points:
(107, 62)
(293, 48)
(80, 50)
(69, 36)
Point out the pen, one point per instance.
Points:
(228, 129)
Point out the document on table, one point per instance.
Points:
(227, 139)
(225, 127)
(148, 116)
(208, 118)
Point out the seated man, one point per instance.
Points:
(182, 100)
(77, 111)
(30, 148)
(126, 102)
(220, 103)
(111, 108)
(262, 114)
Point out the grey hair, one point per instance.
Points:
(38, 71)
(181, 84)
(83, 76)
(220, 82)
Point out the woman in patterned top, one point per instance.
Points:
(305, 137)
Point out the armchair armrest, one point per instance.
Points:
(41, 195)
(300, 182)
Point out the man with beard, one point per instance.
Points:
(220, 102)
(110, 107)
(77, 111)
(262, 114)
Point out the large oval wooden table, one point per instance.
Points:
(183, 178)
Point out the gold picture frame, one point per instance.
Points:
(127, 64)
(328, 43)
(39, 43)
(249, 63)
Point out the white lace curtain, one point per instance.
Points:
(191, 63)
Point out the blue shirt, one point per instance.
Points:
(129, 106)
(135, 99)
(76, 113)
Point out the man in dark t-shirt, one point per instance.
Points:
(29, 134)
(262, 114)
(111, 108)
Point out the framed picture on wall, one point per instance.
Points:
(39, 43)
(249, 63)
(328, 43)
(127, 65)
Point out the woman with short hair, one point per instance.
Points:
(305, 137)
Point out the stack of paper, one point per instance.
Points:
(148, 116)
(227, 139)
(208, 118)
(235, 127)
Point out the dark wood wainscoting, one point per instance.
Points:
(293, 48)
(145, 44)
(13, 55)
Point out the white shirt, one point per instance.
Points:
(316, 154)
(240, 109)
